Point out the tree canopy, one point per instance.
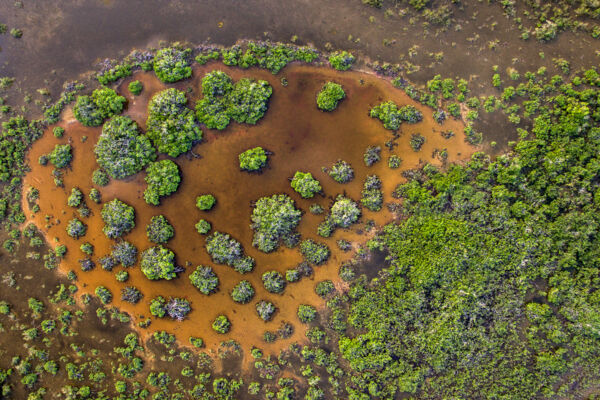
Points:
(121, 150)
(118, 217)
(158, 262)
(163, 179)
(103, 103)
(305, 184)
(172, 64)
(273, 218)
(392, 116)
(329, 96)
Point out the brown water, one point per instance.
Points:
(300, 138)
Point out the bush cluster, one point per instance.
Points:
(253, 159)
(103, 103)
(224, 249)
(305, 184)
(118, 217)
(163, 179)
(204, 279)
(172, 64)
(392, 116)
(158, 262)
(273, 218)
(329, 96)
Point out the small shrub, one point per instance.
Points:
(341, 60)
(313, 252)
(135, 87)
(221, 324)
(159, 230)
(203, 227)
(265, 310)
(329, 96)
(253, 159)
(306, 313)
(205, 202)
(341, 172)
(273, 281)
(243, 292)
(305, 184)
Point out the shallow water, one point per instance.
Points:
(300, 137)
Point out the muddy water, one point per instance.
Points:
(300, 138)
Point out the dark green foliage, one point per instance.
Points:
(159, 230)
(172, 64)
(158, 263)
(253, 159)
(341, 60)
(273, 218)
(196, 342)
(417, 141)
(103, 103)
(131, 294)
(171, 126)
(95, 196)
(394, 161)
(265, 310)
(344, 212)
(163, 179)
(121, 149)
(243, 292)
(76, 228)
(87, 248)
(61, 156)
(135, 87)
(124, 253)
(118, 217)
(372, 155)
(205, 202)
(313, 252)
(244, 102)
(221, 324)
(104, 294)
(306, 313)
(305, 184)
(371, 195)
(341, 172)
(58, 131)
(203, 227)
(329, 96)
(224, 249)
(392, 116)
(273, 281)
(204, 279)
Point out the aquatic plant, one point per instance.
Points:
(103, 103)
(205, 202)
(329, 96)
(171, 126)
(159, 230)
(273, 218)
(172, 64)
(158, 262)
(273, 281)
(305, 184)
(121, 149)
(253, 159)
(118, 217)
(204, 279)
(314, 252)
(243, 292)
(163, 179)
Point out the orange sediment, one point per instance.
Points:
(299, 136)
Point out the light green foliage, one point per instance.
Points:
(75, 198)
(61, 156)
(76, 228)
(314, 252)
(104, 294)
(243, 292)
(273, 218)
(172, 64)
(135, 87)
(253, 159)
(103, 103)
(305, 184)
(341, 60)
(158, 307)
(205, 202)
(341, 172)
(371, 195)
(392, 116)
(100, 178)
(306, 313)
(163, 179)
(204, 279)
(58, 131)
(121, 149)
(329, 96)
(273, 281)
(244, 102)
(171, 126)
(118, 217)
(224, 249)
(221, 324)
(344, 212)
(158, 263)
(159, 230)
(203, 227)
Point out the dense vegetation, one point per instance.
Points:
(171, 125)
(118, 217)
(204, 279)
(273, 218)
(158, 263)
(497, 258)
(163, 179)
(253, 159)
(392, 116)
(103, 103)
(329, 96)
(244, 102)
(172, 64)
(121, 149)
(305, 184)
(159, 230)
(224, 249)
